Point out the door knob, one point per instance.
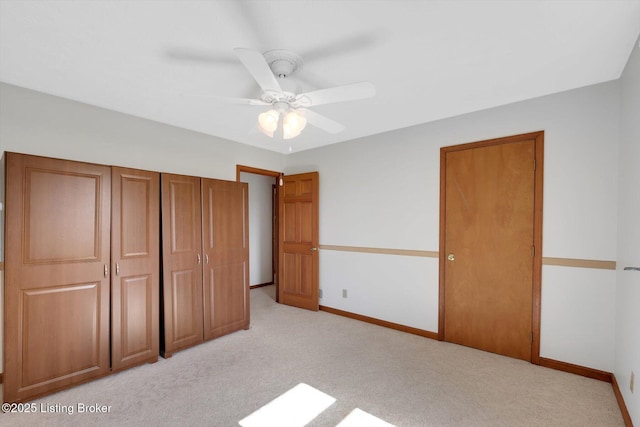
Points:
(451, 257)
(314, 249)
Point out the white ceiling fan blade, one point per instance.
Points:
(228, 100)
(336, 94)
(322, 122)
(241, 101)
(255, 63)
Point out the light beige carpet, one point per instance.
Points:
(403, 379)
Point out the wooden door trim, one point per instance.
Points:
(256, 171)
(275, 208)
(538, 137)
(537, 244)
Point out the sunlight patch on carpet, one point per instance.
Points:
(296, 407)
(360, 418)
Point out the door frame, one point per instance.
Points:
(274, 221)
(538, 137)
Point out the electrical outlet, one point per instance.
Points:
(631, 381)
(319, 293)
(344, 293)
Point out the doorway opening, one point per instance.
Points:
(263, 225)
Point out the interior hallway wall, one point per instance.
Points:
(383, 191)
(260, 227)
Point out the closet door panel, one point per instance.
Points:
(182, 262)
(61, 233)
(57, 274)
(135, 266)
(44, 316)
(138, 319)
(229, 297)
(226, 263)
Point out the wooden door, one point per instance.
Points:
(135, 264)
(298, 249)
(275, 236)
(57, 274)
(225, 231)
(181, 263)
(488, 253)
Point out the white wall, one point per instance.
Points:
(383, 191)
(260, 227)
(627, 336)
(400, 289)
(35, 123)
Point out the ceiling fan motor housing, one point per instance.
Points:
(283, 62)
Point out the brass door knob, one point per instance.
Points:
(451, 257)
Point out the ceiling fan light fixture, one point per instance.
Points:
(268, 122)
(289, 107)
(293, 124)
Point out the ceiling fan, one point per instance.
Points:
(290, 109)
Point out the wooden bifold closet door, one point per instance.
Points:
(82, 242)
(135, 266)
(57, 274)
(182, 263)
(205, 260)
(82, 269)
(226, 257)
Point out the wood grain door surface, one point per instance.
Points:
(57, 274)
(225, 233)
(181, 262)
(135, 266)
(275, 237)
(489, 213)
(298, 248)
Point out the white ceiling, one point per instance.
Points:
(428, 59)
